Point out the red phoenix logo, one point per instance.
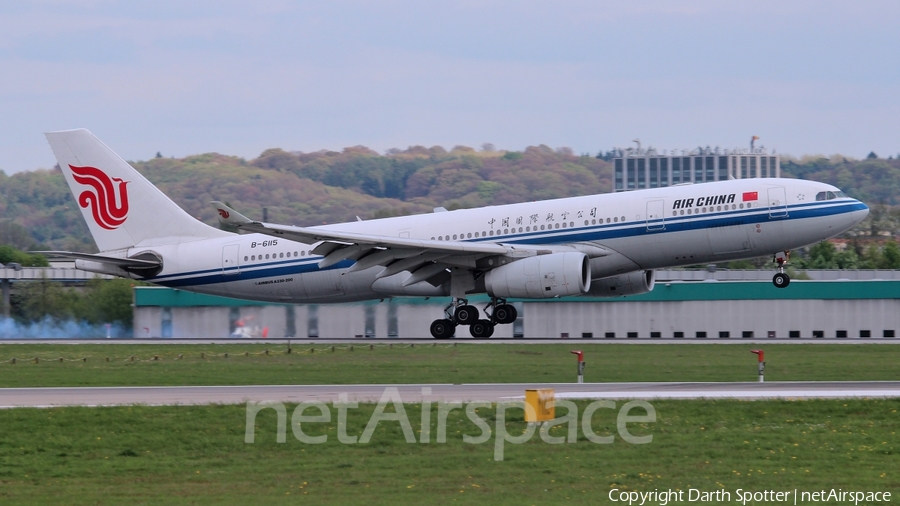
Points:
(224, 214)
(108, 208)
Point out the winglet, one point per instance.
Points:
(229, 216)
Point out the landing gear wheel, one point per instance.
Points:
(466, 315)
(442, 329)
(781, 280)
(482, 329)
(505, 313)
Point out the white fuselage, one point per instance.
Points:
(645, 229)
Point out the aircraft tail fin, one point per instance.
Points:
(121, 207)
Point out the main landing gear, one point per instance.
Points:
(459, 312)
(781, 280)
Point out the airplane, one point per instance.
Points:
(605, 245)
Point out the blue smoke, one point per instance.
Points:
(51, 328)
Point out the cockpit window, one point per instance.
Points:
(831, 195)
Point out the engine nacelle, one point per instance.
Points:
(540, 277)
(632, 283)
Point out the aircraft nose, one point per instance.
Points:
(860, 213)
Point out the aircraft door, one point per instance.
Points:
(656, 215)
(777, 202)
(230, 264)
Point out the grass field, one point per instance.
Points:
(444, 363)
(197, 455)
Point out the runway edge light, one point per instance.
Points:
(761, 363)
(580, 355)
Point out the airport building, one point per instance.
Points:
(697, 309)
(639, 168)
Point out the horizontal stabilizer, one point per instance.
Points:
(135, 263)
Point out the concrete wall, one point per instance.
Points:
(323, 321)
(552, 319)
(547, 319)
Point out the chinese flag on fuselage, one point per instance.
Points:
(750, 196)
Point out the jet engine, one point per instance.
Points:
(632, 283)
(540, 277)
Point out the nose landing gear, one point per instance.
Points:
(781, 280)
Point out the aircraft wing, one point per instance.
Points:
(427, 260)
(396, 254)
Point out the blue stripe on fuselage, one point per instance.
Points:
(557, 236)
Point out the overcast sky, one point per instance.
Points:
(239, 77)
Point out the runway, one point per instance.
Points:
(199, 395)
(426, 341)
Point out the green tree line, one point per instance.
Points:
(310, 188)
(320, 187)
(856, 255)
